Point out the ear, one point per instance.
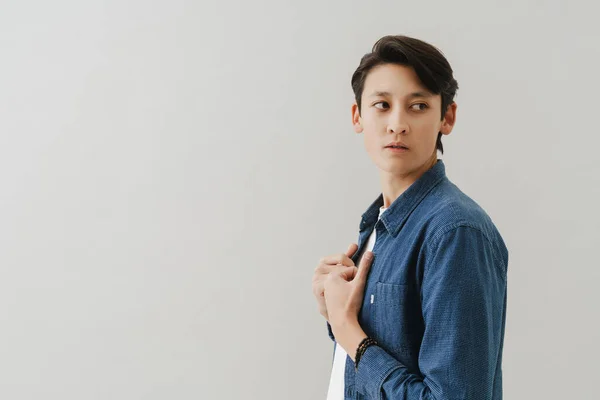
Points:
(449, 119)
(356, 119)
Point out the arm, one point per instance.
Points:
(463, 303)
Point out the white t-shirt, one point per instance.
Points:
(336, 382)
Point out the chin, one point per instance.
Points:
(396, 167)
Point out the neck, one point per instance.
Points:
(394, 185)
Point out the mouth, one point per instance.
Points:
(397, 145)
(396, 149)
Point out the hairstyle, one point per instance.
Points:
(428, 62)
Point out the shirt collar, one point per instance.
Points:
(396, 214)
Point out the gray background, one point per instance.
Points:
(172, 171)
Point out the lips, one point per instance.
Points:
(397, 144)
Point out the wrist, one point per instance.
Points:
(362, 348)
(349, 334)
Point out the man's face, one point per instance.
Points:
(397, 107)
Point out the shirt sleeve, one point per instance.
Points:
(330, 332)
(463, 299)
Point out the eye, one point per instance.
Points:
(380, 102)
(425, 106)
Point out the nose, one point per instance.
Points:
(397, 123)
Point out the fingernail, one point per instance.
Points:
(368, 255)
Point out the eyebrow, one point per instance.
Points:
(410, 95)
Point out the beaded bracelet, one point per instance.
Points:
(362, 347)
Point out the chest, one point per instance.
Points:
(391, 307)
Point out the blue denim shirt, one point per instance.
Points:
(435, 297)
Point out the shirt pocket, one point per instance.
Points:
(396, 311)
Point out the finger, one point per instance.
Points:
(350, 273)
(351, 249)
(336, 259)
(327, 264)
(344, 272)
(364, 267)
(319, 285)
(335, 275)
(343, 258)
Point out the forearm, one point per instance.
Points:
(381, 376)
(463, 308)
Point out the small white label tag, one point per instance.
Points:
(372, 297)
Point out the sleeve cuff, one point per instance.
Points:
(330, 332)
(374, 367)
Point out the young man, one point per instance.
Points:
(430, 286)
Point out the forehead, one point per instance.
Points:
(393, 79)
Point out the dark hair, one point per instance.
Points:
(428, 62)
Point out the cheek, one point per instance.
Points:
(428, 133)
(373, 131)
(371, 142)
(373, 146)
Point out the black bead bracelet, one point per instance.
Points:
(362, 347)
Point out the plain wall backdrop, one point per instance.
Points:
(172, 171)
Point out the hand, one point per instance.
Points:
(328, 264)
(344, 292)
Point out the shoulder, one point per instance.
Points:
(447, 209)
